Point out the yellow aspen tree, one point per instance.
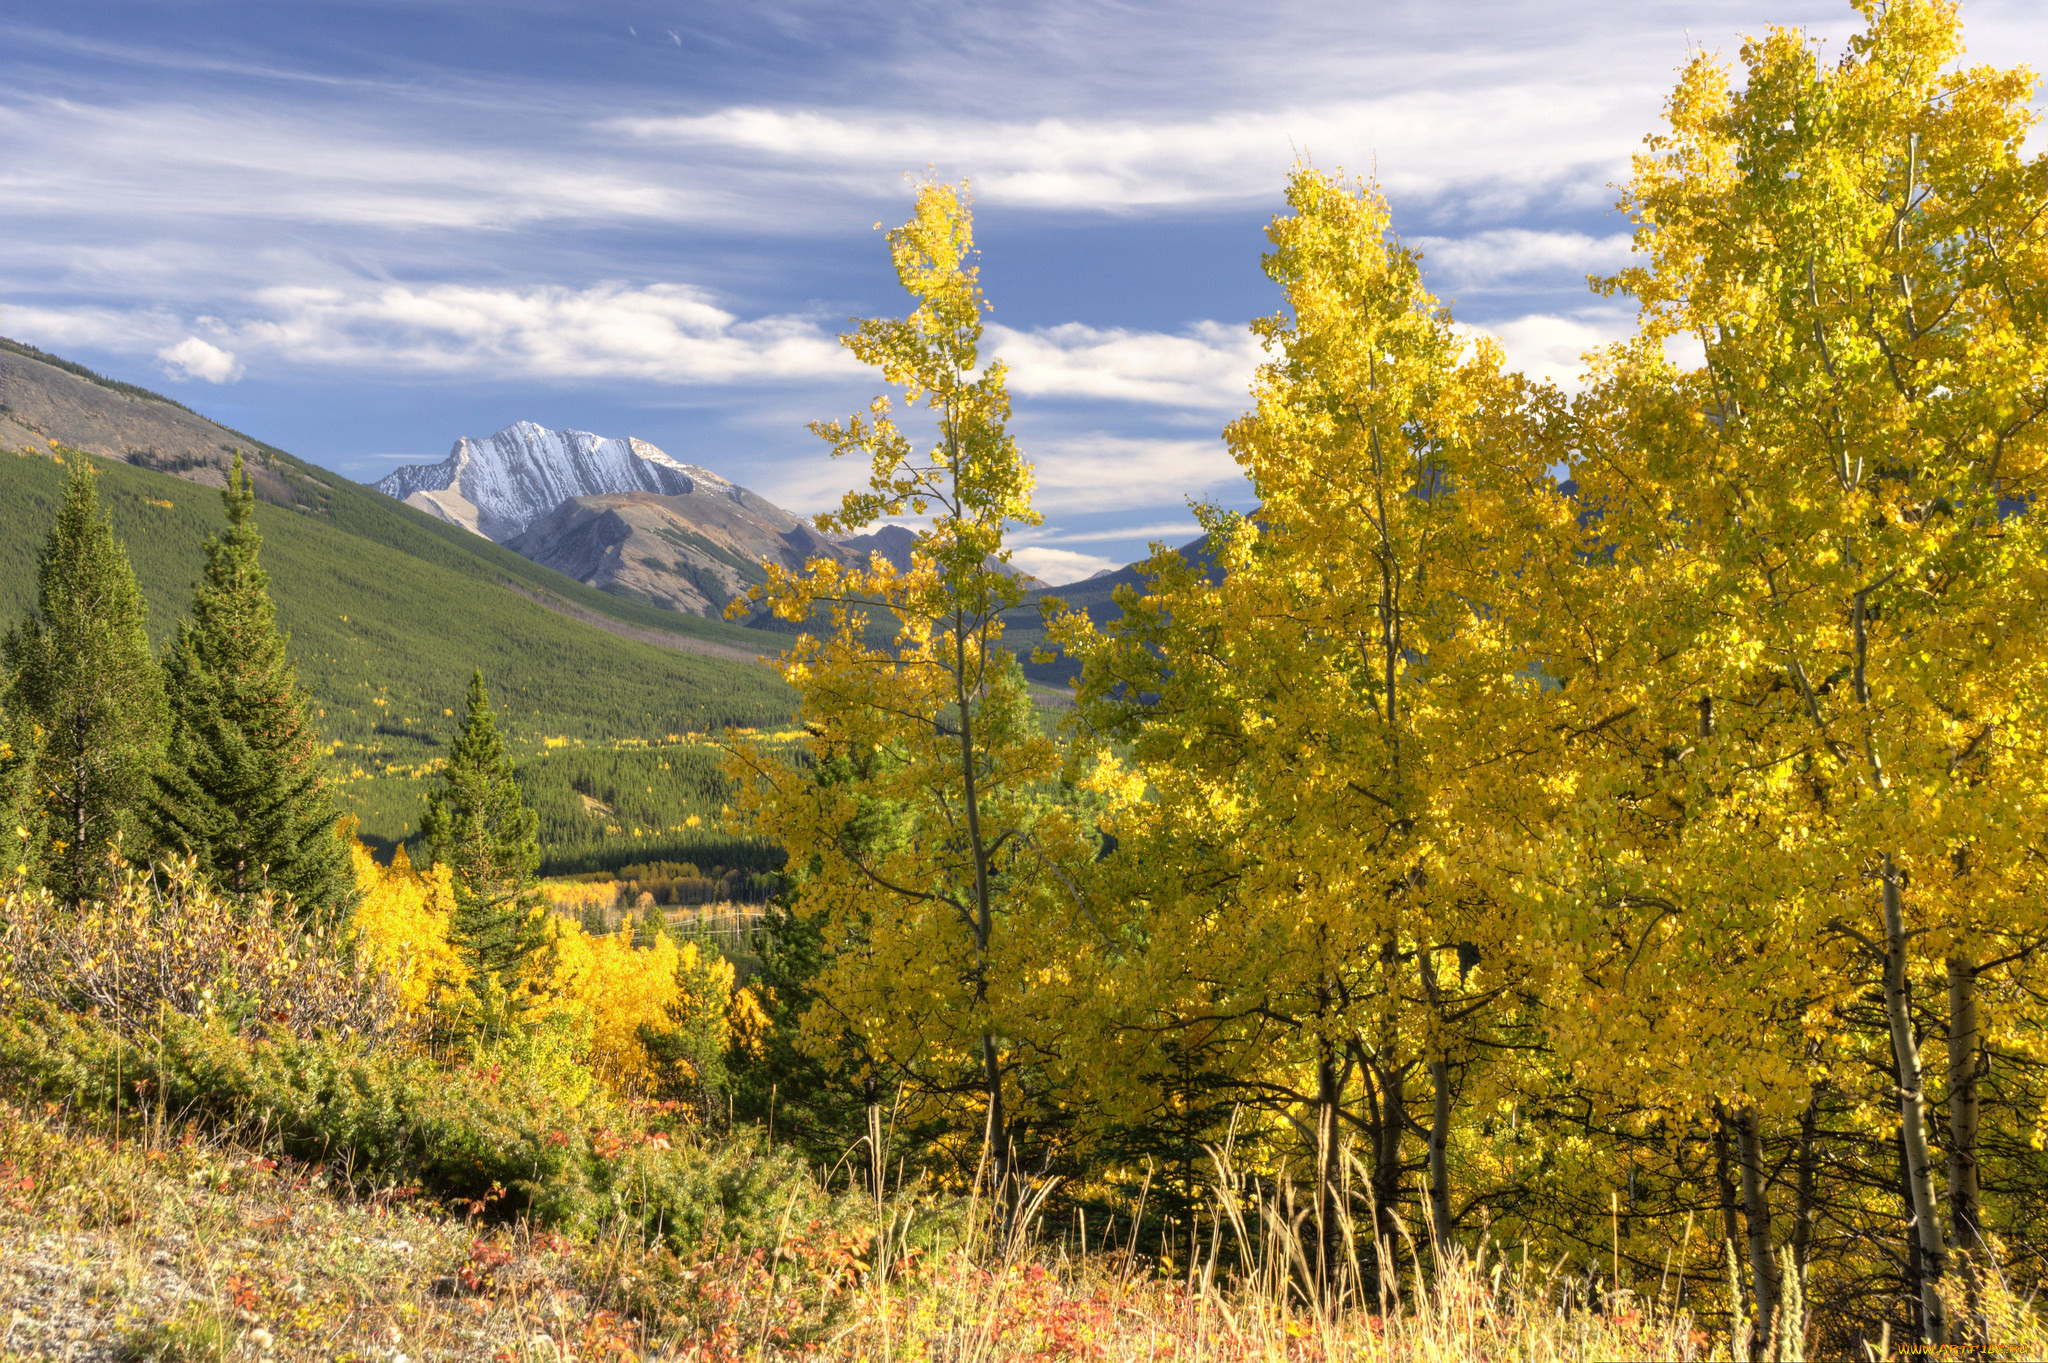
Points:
(918, 832)
(1321, 713)
(1656, 862)
(401, 921)
(1860, 248)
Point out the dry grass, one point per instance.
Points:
(176, 1247)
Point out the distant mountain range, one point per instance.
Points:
(665, 543)
(622, 516)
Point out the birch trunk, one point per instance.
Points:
(1926, 1227)
(1439, 1163)
(1756, 1210)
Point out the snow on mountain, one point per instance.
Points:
(500, 485)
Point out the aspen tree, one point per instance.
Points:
(921, 840)
(1860, 251)
(1321, 717)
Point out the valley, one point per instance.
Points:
(388, 609)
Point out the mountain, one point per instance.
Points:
(388, 608)
(893, 545)
(692, 552)
(1024, 628)
(618, 515)
(500, 485)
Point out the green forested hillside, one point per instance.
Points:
(388, 617)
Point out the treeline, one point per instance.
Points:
(1607, 822)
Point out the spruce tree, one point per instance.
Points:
(243, 788)
(85, 701)
(477, 824)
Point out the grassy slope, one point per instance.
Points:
(388, 617)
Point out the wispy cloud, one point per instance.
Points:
(662, 332)
(1172, 532)
(1059, 566)
(1207, 367)
(1096, 471)
(1482, 140)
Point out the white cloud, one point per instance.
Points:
(1059, 567)
(661, 332)
(139, 330)
(1505, 140)
(1101, 472)
(1209, 366)
(1171, 532)
(1512, 255)
(264, 163)
(193, 358)
(1549, 345)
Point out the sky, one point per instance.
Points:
(360, 231)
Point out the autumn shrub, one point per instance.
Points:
(165, 944)
(494, 1135)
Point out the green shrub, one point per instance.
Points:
(495, 1135)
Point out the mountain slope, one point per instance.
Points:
(388, 609)
(691, 552)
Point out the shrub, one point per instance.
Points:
(169, 945)
(494, 1136)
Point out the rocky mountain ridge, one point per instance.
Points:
(501, 484)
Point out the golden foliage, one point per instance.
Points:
(401, 923)
(619, 989)
(608, 988)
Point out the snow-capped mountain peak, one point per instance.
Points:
(499, 485)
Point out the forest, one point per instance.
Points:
(1563, 877)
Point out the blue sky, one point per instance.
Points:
(360, 231)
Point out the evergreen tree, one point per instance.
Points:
(478, 825)
(21, 831)
(243, 788)
(85, 700)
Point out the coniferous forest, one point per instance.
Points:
(1565, 877)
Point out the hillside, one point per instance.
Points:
(1024, 630)
(691, 552)
(388, 609)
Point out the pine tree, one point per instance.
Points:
(243, 789)
(478, 825)
(21, 831)
(85, 683)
